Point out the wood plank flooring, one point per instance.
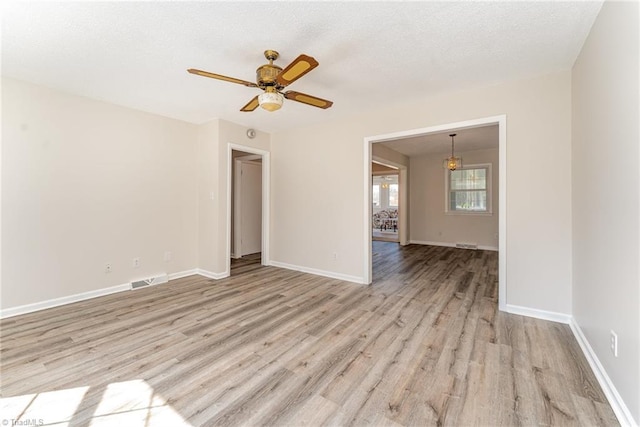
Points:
(246, 263)
(423, 345)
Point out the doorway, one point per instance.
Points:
(500, 121)
(247, 208)
(385, 197)
(246, 217)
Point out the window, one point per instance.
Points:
(468, 190)
(375, 196)
(393, 195)
(385, 191)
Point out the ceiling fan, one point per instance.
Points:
(272, 80)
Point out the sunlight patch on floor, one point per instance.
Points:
(42, 408)
(129, 403)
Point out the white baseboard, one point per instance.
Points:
(43, 305)
(538, 314)
(331, 274)
(211, 274)
(450, 245)
(181, 274)
(615, 400)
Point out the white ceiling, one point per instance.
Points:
(136, 53)
(469, 139)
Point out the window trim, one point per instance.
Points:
(489, 190)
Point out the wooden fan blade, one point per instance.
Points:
(221, 77)
(251, 105)
(308, 99)
(298, 68)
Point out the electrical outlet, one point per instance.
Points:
(136, 263)
(107, 267)
(335, 256)
(167, 256)
(614, 343)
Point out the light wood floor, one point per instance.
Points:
(424, 345)
(245, 264)
(384, 236)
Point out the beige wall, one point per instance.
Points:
(209, 197)
(85, 183)
(606, 193)
(379, 151)
(316, 198)
(311, 219)
(430, 223)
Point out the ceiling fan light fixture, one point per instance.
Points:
(270, 100)
(272, 79)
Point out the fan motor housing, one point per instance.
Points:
(266, 75)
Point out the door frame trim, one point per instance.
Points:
(403, 225)
(501, 121)
(266, 176)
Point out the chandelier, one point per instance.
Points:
(452, 163)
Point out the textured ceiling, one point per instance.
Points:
(470, 139)
(136, 53)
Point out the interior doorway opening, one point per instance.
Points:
(247, 208)
(499, 123)
(385, 202)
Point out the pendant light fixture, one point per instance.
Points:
(452, 163)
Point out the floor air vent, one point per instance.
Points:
(467, 245)
(163, 278)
